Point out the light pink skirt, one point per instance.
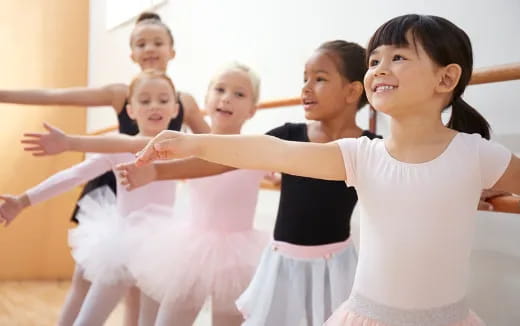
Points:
(361, 311)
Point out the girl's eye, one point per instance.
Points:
(240, 94)
(398, 57)
(144, 102)
(140, 45)
(319, 79)
(164, 101)
(373, 62)
(305, 80)
(158, 43)
(219, 89)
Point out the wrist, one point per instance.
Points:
(196, 145)
(70, 142)
(23, 201)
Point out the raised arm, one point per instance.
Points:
(113, 95)
(193, 117)
(53, 186)
(322, 161)
(56, 141)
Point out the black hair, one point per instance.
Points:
(351, 61)
(445, 44)
(148, 17)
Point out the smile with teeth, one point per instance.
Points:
(155, 117)
(384, 88)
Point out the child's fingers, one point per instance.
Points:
(33, 135)
(33, 148)
(30, 141)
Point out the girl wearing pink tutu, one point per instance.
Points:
(307, 270)
(212, 250)
(108, 235)
(418, 189)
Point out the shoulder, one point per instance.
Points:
(119, 94)
(289, 131)
(188, 101)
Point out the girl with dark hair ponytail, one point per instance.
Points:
(418, 188)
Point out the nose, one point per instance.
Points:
(226, 97)
(381, 69)
(306, 88)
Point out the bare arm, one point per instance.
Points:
(193, 116)
(118, 143)
(322, 161)
(510, 180)
(134, 177)
(113, 95)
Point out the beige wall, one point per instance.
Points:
(44, 44)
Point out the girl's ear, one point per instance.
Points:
(449, 77)
(354, 92)
(172, 54)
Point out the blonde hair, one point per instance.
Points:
(236, 66)
(149, 74)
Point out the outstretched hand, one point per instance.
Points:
(132, 176)
(165, 146)
(10, 208)
(43, 144)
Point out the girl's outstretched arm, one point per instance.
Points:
(193, 117)
(133, 176)
(322, 161)
(113, 95)
(56, 141)
(11, 206)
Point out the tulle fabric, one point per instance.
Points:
(103, 242)
(186, 263)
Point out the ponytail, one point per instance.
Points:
(465, 118)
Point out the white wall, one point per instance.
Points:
(275, 38)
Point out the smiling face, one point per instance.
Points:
(151, 47)
(230, 101)
(152, 104)
(324, 91)
(401, 79)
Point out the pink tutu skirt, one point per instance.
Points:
(104, 240)
(361, 311)
(185, 263)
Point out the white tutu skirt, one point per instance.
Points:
(298, 291)
(104, 240)
(187, 264)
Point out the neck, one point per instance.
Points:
(343, 125)
(417, 129)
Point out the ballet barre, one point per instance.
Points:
(486, 75)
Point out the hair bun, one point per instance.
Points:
(147, 15)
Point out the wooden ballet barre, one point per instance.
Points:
(496, 74)
(485, 75)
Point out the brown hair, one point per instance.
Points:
(152, 18)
